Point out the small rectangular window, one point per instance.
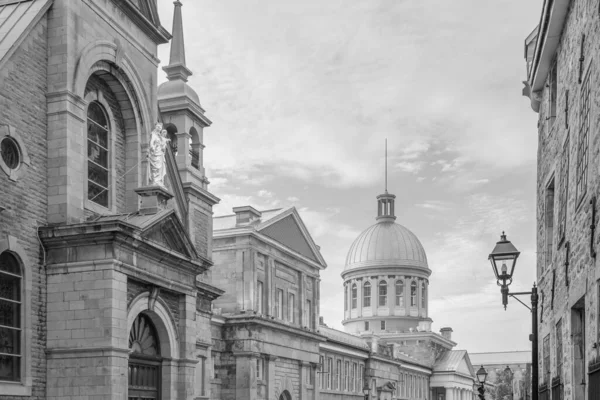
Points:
(366, 325)
(259, 297)
(383, 325)
(260, 368)
(338, 375)
(559, 349)
(308, 315)
(291, 305)
(346, 374)
(279, 304)
(546, 355)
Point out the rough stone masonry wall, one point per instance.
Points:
(583, 18)
(23, 106)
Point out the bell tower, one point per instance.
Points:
(183, 118)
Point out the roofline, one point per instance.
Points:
(551, 24)
(261, 211)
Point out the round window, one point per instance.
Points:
(10, 152)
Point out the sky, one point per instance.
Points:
(302, 96)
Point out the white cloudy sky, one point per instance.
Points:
(302, 95)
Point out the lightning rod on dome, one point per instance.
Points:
(386, 165)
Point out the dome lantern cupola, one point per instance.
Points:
(385, 207)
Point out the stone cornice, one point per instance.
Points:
(157, 33)
(252, 319)
(197, 191)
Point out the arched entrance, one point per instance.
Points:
(285, 395)
(144, 361)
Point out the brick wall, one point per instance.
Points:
(23, 106)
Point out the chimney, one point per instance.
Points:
(246, 215)
(446, 333)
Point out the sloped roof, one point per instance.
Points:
(224, 222)
(451, 360)
(501, 358)
(17, 18)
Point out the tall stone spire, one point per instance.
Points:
(177, 70)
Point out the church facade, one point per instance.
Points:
(112, 288)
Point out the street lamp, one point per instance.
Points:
(481, 376)
(504, 259)
(366, 391)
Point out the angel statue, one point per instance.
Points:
(156, 155)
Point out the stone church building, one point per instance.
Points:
(114, 289)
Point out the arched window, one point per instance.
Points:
(354, 295)
(413, 294)
(144, 362)
(10, 317)
(367, 294)
(423, 295)
(345, 297)
(382, 293)
(400, 293)
(98, 154)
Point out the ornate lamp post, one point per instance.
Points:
(503, 259)
(366, 390)
(481, 376)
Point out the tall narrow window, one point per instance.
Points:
(308, 314)
(413, 294)
(354, 377)
(338, 375)
(10, 317)
(582, 142)
(382, 325)
(423, 295)
(354, 296)
(549, 221)
(361, 374)
(259, 297)
(563, 193)
(400, 293)
(367, 294)
(98, 154)
(260, 369)
(346, 298)
(559, 349)
(346, 374)
(546, 355)
(291, 305)
(366, 325)
(382, 294)
(330, 373)
(552, 96)
(279, 304)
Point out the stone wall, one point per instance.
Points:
(23, 106)
(567, 273)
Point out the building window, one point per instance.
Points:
(563, 194)
(546, 355)
(9, 149)
(367, 294)
(382, 325)
(98, 154)
(413, 294)
(361, 374)
(346, 374)
(423, 295)
(291, 305)
(259, 297)
(400, 293)
(382, 294)
(338, 375)
(308, 314)
(552, 95)
(549, 221)
(10, 317)
(559, 349)
(354, 376)
(346, 298)
(582, 143)
(354, 295)
(202, 374)
(260, 368)
(329, 372)
(366, 325)
(279, 304)
(322, 372)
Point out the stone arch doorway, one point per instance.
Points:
(144, 372)
(285, 395)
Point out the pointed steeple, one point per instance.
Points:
(177, 70)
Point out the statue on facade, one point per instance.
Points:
(156, 156)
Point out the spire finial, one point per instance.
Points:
(177, 68)
(386, 165)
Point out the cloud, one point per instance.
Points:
(293, 199)
(409, 166)
(435, 205)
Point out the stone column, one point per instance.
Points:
(271, 365)
(268, 287)
(359, 299)
(302, 298)
(187, 346)
(248, 280)
(316, 380)
(245, 376)
(304, 370)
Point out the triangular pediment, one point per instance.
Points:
(148, 10)
(168, 232)
(288, 229)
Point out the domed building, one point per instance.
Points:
(386, 277)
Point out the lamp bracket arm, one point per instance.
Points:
(517, 299)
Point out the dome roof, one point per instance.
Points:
(177, 88)
(386, 243)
